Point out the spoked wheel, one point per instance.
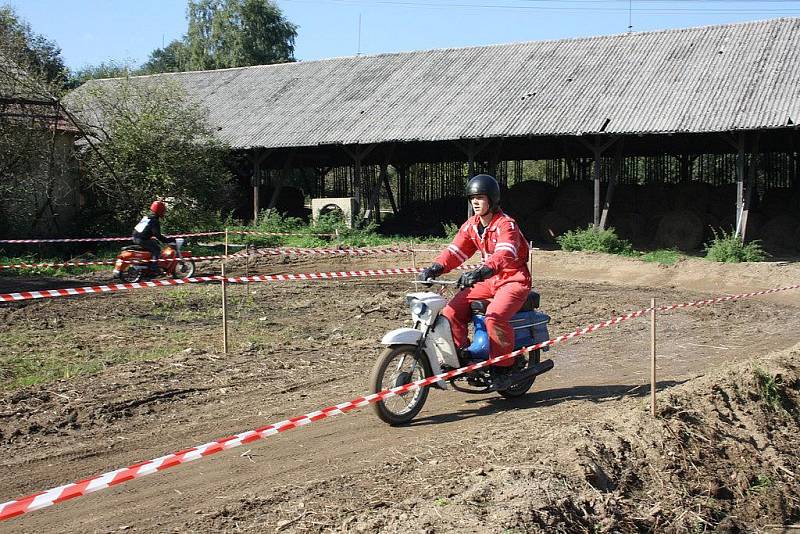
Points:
(397, 366)
(184, 269)
(521, 388)
(131, 275)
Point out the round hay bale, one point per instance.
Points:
(779, 234)
(552, 224)
(777, 201)
(723, 201)
(630, 226)
(529, 224)
(682, 229)
(624, 199)
(654, 199)
(692, 195)
(529, 196)
(575, 200)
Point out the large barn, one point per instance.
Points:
(661, 134)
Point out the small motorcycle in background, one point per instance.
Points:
(174, 262)
(427, 349)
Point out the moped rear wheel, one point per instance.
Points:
(184, 269)
(399, 365)
(131, 275)
(521, 388)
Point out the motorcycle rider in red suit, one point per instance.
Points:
(503, 275)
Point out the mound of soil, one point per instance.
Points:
(720, 455)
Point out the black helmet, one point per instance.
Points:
(483, 184)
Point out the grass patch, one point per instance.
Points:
(729, 248)
(591, 240)
(19, 371)
(770, 388)
(662, 256)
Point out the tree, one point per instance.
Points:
(171, 58)
(237, 33)
(103, 70)
(152, 142)
(31, 52)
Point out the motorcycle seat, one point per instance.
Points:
(478, 307)
(137, 248)
(532, 302)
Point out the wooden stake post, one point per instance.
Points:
(225, 298)
(653, 357)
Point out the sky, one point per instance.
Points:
(126, 31)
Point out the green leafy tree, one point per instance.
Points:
(237, 33)
(171, 58)
(151, 142)
(103, 70)
(33, 53)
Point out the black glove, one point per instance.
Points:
(430, 273)
(473, 277)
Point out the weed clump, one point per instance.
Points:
(592, 240)
(729, 248)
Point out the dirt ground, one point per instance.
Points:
(579, 453)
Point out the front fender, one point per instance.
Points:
(402, 336)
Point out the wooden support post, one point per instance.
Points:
(739, 184)
(413, 258)
(616, 170)
(751, 184)
(653, 357)
(225, 298)
(257, 160)
(388, 185)
(597, 148)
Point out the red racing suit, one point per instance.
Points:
(504, 250)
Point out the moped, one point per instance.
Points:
(133, 263)
(427, 349)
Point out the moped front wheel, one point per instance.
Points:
(399, 365)
(184, 269)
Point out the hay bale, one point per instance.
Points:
(779, 234)
(575, 200)
(529, 196)
(681, 229)
(722, 202)
(529, 225)
(630, 226)
(694, 196)
(654, 199)
(777, 201)
(552, 224)
(624, 200)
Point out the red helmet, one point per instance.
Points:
(159, 208)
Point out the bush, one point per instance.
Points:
(592, 240)
(729, 248)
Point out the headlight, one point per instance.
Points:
(418, 308)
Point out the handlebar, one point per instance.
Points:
(430, 281)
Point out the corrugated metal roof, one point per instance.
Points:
(708, 79)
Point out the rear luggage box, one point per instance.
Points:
(530, 327)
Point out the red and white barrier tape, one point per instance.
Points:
(252, 232)
(95, 239)
(243, 254)
(53, 496)
(70, 291)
